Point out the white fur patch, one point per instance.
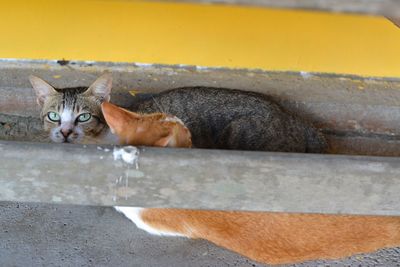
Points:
(174, 119)
(133, 214)
(66, 116)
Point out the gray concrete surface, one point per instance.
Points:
(199, 179)
(60, 235)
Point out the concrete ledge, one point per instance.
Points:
(378, 7)
(200, 179)
(358, 115)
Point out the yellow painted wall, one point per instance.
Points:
(196, 34)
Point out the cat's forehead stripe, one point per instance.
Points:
(70, 97)
(74, 102)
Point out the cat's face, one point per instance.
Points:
(73, 115)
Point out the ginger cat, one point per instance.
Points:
(155, 129)
(273, 238)
(267, 237)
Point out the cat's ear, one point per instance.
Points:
(101, 88)
(42, 89)
(116, 117)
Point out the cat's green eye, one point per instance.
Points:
(84, 117)
(53, 116)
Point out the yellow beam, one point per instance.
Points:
(196, 34)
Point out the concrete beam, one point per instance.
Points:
(199, 179)
(396, 21)
(377, 7)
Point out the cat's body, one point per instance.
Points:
(216, 117)
(233, 119)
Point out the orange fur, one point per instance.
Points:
(278, 238)
(273, 238)
(155, 129)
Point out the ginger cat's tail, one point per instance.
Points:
(155, 129)
(274, 238)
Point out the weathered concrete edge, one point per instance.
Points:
(200, 179)
(302, 87)
(101, 66)
(375, 7)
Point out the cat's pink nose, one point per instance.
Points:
(66, 132)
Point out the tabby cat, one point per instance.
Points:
(216, 117)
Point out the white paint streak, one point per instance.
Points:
(128, 154)
(305, 74)
(202, 68)
(144, 65)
